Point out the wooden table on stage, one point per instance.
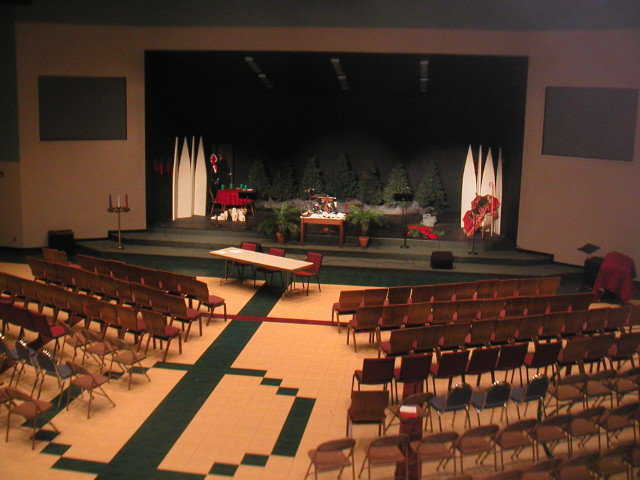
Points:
(286, 265)
(338, 222)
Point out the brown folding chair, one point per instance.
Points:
(413, 369)
(332, 455)
(89, 382)
(436, 447)
(31, 409)
(478, 441)
(388, 450)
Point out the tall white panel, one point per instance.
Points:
(174, 181)
(497, 226)
(200, 182)
(488, 185)
(479, 171)
(469, 185)
(185, 183)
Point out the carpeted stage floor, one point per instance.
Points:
(246, 400)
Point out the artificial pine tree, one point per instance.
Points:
(283, 186)
(311, 178)
(342, 182)
(258, 179)
(398, 183)
(430, 192)
(370, 187)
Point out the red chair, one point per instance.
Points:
(449, 365)
(312, 271)
(375, 371)
(277, 252)
(413, 369)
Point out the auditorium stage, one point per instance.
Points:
(195, 237)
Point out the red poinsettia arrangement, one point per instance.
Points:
(480, 207)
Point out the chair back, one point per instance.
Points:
(422, 293)
(545, 354)
(481, 431)
(596, 320)
(458, 396)
(337, 445)
(497, 394)
(350, 298)
(399, 441)
(537, 387)
(249, 246)
(452, 364)
(627, 344)
(393, 316)
(507, 288)
(529, 327)
(151, 277)
(598, 347)
(548, 285)
(618, 318)
(46, 362)
(278, 252)
(483, 360)
(486, 289)
(195, 289)
(54, 255)
(467, 311)
(511, 356)
(454, 335)
(417, 314)
(528, 287)
(377, 370)
(506, 329)
(108, 314)
(368, 317)
(368, 405)
(464, 291)
(440, 438)
(402, 340)
(154, 322)
(481, 332)
(316, 259)
(521, 425)
(444, 292)
(492, 309)
(128, 318)
(442, 312)
(25, 353)
(398, 295)
(552, 326)
(573, 322)
(374, 296)
(428, 338)
(414, 368)
(538, 306)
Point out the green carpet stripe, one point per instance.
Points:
(247, 372)
(77, 465)
(293, 428)
(145, 450)
(173, 366)
(262, 302)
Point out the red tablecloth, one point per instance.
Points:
(231, 197)
(615, 275)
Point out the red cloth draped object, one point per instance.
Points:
(424, 231)
(615, 275)
(480, 207)
(231, 197)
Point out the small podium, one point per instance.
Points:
(118, 211)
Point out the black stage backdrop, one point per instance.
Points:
(381, 120)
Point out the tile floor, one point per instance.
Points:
(247, 400)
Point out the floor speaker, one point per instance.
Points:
(61, 240)
(591, 269)
(442, 259)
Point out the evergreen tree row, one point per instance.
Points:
(343, 182)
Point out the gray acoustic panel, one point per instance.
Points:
(83, 108)
(590, 122)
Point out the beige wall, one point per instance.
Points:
(565, 202)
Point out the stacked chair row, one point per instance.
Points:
(445, 447)
(562, 325)
(590, 423)
(416, 314)
(349, 300)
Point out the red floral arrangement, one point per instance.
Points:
(480, 207)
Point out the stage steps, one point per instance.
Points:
(382, 252)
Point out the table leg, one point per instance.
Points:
(301, 232)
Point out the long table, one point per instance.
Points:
(259, 259)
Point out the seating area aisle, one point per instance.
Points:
(246, 400)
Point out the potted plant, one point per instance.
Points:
(281, 221)
(363, 217)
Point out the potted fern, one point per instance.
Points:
(363, 217)
(281, 221)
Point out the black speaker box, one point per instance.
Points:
(62, 240)
(442, 259)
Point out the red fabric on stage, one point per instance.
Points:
(424, 230)
(231, 197)
(615, 275)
